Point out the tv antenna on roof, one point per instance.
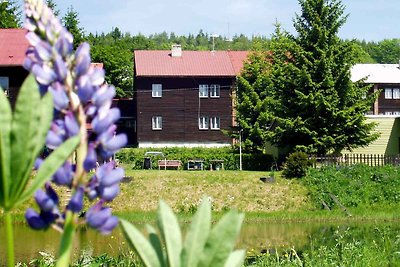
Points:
(213, 43)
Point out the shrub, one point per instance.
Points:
(296, 165)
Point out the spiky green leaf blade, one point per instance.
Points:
(171, 232)
(140, 244)
(45, 112)
(5, 129)
(24, 127)
(50, 165)
(157, 245)
(197, 235)
(221, 240)
(236, 258)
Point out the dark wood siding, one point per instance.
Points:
(180, 107)
(16, 77)
(387, 105)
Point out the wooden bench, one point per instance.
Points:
(169, 163)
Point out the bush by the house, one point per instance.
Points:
(254, 162)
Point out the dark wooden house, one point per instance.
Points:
(184, 98)
(13, 45)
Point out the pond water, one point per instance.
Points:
(260, 236)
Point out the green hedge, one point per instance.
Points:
(355, 186)
(256, 162)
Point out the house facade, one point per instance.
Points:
(184, 98)
(13, 45)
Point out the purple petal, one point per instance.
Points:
(108, 193)
(109, 225)
(38, 163)
(91, 158)
(103, 95)
(71, 124)
(51, 193)
(34, 220)
(44, 201)
(63, 45)
(96, 76)
(76, 203)
(85, 89)
(43, 51)
(44, 75)
(60, 97)
(100, 125)
(64, 175)
(32, 38)
(98, 218)
(82, 62)
(113, 177)
(115, 143)
(61, 68)
(53, 140)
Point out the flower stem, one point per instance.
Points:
(10, 240)
(64, 252)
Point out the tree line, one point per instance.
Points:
(115, 48)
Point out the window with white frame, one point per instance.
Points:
(396, 93)
(4, 84)
(388, 93)
(396, 113)
(214, 123)
(203, 123)
(214, 90)
(156, 90)
(156, 122)
(388, 113)
(203, 90)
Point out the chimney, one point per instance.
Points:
(176, 50)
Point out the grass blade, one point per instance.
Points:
(171, 233)
(236, 258)
(157, 245)
(139, 243)
(197, 235)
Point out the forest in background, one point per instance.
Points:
(115, 48)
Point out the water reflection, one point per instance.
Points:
(258, 236)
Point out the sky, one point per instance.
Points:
(370, 20)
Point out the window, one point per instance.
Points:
(215, 123)
(203, 123)
(214, 90)
(156, 122)
(388, 93)
(203, 90)
(156, 90)
(396, 93)
(396, 113)
(4, 84)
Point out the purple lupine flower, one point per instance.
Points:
(80, 97)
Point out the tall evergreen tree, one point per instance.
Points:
(9, 15)
(53, 6)
(308, 97)
(71, 23)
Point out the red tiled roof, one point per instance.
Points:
(191, 63)
(238, 58)
(13, 45)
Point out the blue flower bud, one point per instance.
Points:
(60, 98)
(43, 51)
(108, 193)
(34, 220)
(113, 177)
(91, 158)
(53, 140)
(64, 174)
(101, 124)
(44, 201)
(44, 75)
(109, 225)
(115, 143)
(82, 62)
(63, 45)
(76, 203)
(97, 218)
(96, 76)
(85, 88)
(61, 68)
(71, 124)
(103, 95)
(38, 163)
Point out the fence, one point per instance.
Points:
(351, 159)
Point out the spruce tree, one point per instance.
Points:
(9, 15)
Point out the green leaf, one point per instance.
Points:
(236, 258)
(197, 235)
(171, 232)
(222, 240)
(52, 163)
(45, 112)
(139, 243)
(25, 125)
(157, 245)
(5, 129)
